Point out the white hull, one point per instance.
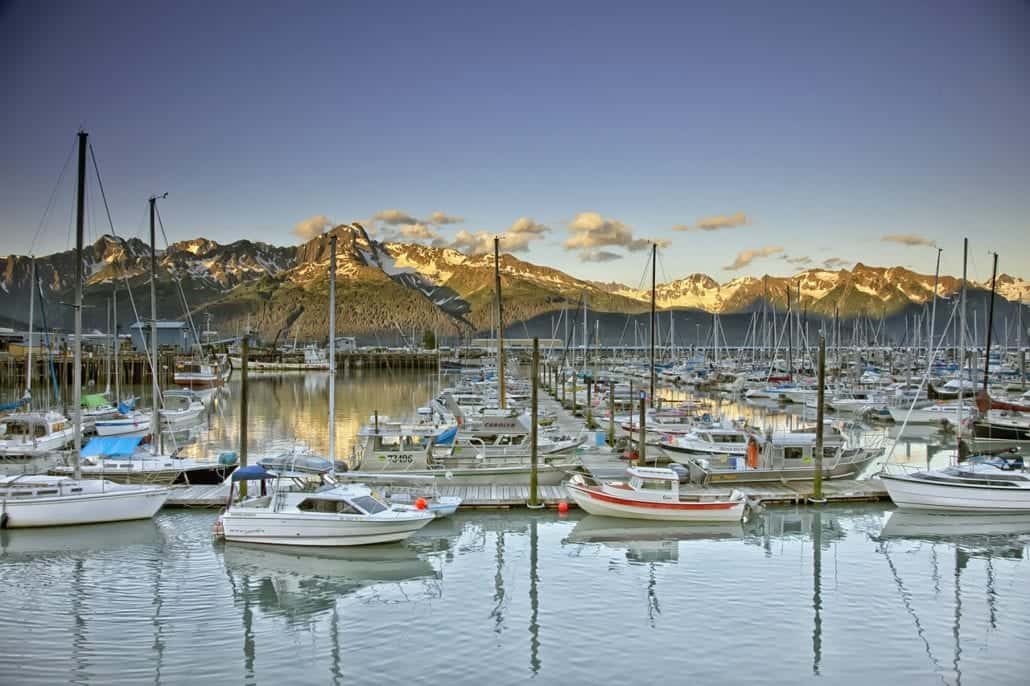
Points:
(317, 530)
(921, 416)
(36, 447)
(115, 505)
(914, 494)
(702, 512)
(123, 427)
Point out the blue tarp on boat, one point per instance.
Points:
(254, 472)
(446, 437)
(112, 446)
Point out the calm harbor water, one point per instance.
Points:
(838, 596)
(842, 595)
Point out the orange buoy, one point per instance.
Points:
(563, 507)
(420, 504)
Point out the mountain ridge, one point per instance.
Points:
(391, 286)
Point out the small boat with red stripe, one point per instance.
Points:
(654, 493)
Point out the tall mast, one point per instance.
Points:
(790, 341)
(32, 311)
(962, 337)
(332, 352)
(990, 323)
(500, 323)
(155, 390)
(80, 217)
(114, 326)
(654, 264)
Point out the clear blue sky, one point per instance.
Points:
(828, 125)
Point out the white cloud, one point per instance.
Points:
(746, 257)
(394, 217)
(478, 243)
(442, 218)
(310, 228)
(596, 255)
(835, 262)
(716, 222)
(418, 232)
(909, 239)
(590, 231)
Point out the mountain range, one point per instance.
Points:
(390, 288)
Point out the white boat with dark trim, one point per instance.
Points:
(654, 493)
(180, 407)
(123, 460)
(969, 487)
(294, 507)
(38, 500)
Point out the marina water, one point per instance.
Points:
(796, 595)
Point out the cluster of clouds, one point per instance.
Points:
(593, 237)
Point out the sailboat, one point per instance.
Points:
(977, 485)
(34, 501)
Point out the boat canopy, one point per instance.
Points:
(254, 472)
(94, 400)
(446, 437)
(112, 446)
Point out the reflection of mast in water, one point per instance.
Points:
(78, 639)
(653, 608)
(334, 636)
(534, 602)
(248, 633)
(959, 564)
(498, 612)
(159, 643)
(817, 585)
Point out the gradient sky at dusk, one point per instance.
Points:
(826, 125)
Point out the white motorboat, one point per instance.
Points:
(925, 413)
(290, 509)
(33, 501)
(201, 374)
(971, 487)
(707, 442)
(132, 423)
(34, 434)
(654, 493)
(180, 407)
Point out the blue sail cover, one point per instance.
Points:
(112, 446)
(254, 472)
(446, 437)
(7, 407)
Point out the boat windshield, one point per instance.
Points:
(369, 504)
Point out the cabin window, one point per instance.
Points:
(326, 506)
(369, 504)
(794, 453)
(829, 451)
(390, 441)
(652, 485)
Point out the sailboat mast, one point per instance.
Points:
(32, 311)
(332, 352)
(990, 323)
(155, 391)
(500, 322)
(80, 216)
(654, 264)
(114, 324)
(962, 337)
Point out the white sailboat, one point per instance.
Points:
(35, 501)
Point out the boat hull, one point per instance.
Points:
(914, 494)
(595, 502)
(275, 529)
(93, 508)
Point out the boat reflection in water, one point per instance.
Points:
(298, 583)
(75, 540)
(979, 537)
(648, 541)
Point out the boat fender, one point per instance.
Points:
(752, 453)
(4, 518)
(706, 418)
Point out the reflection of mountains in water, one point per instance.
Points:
(645, 541)
(977, 535)
(303, 582)
(19, 543)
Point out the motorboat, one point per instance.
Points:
(33, 434)
(924, 413)
(408, 452)
(42, 500)
(783, 456)
(974, 486)
(299, 507)
(131, 422)
(194, 373)
(654, 493)
(405, 489)
(180, 407)
(707, 442)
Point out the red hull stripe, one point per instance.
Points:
(597, 495)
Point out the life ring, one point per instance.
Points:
(752, 453)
